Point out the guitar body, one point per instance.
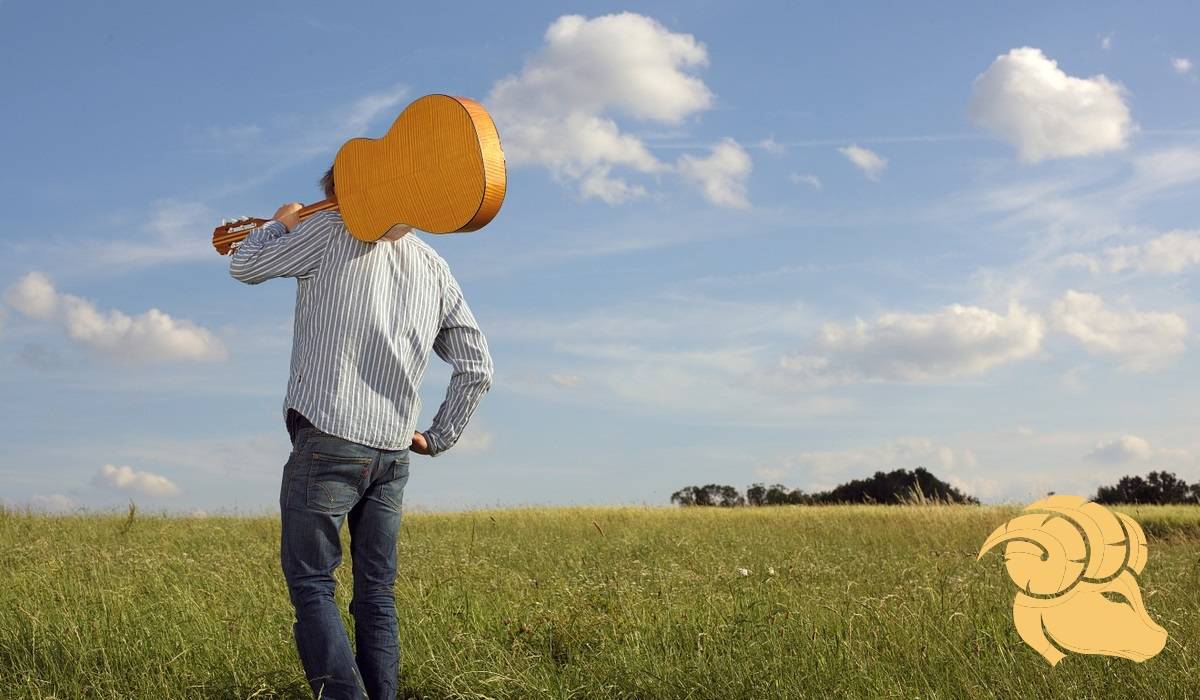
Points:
(438, 169)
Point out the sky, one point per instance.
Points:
(790, 243)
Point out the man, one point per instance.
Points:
(367, 315)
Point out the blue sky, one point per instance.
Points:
(796, 244)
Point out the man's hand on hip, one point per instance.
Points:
(419, 445)
(288, 216)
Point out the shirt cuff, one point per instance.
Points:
(433, 442)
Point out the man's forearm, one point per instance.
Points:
(463, 395)
(272, 251)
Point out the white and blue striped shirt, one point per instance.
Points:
(367, 315)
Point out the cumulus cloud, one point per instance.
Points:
(826, 468)
(1170, 253)
(149, 336)
(871, 163)
(1182, 66)
(807, 179)
(722, 175)
(34, 296)
(1026, 99)
(126, 480)
(559, 111)
(1126, 448)
(954, 341)
(1143, 340)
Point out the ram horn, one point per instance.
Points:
(1044, 553)
(1064, 539)
(1109, 546)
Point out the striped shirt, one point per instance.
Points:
(367, 315)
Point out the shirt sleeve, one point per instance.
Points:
(461, 344)
(272, 251)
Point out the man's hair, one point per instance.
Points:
(327, 183)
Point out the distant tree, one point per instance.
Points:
(896, 486)
(778, 495)
(709, 495)
(756, 495)
(726, 496)
(685, 496)
(1158, 487)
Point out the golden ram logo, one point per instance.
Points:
(1075, 563)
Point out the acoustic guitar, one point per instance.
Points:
(439, 169)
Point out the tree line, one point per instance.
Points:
(1159, 488)
(919, 485)
(894, 487)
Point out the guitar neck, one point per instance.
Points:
(227, 236)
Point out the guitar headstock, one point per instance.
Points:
(230, 233)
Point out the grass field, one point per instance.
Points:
(849, 601)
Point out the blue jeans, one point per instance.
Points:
(327, 480)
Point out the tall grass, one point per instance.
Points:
(840, 601)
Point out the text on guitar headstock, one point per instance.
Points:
(230, 233)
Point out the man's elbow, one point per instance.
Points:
(489, 370)
(483, 379)
(243, 273)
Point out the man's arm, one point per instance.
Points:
(462, 345)
(272, 250)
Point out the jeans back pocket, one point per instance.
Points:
(336, 482)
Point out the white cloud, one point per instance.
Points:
(1182, 66)
(770, 145)
(659, 354)
(772, 474)
(125, 479)
(807, 179)
(53, 503)
(1026, 99)
(171, 227)
(558, 112)
(722, 175)
(473, 441)
(825, 469)
(1106, 41)
(566, 380)
(1166, 168)
(871, 163)
(1126, 448)
(150, 336)
(1170, 253)
(34, 296)
(1144, 340)
(954, 341)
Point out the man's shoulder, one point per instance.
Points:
(329, 217)
(323, 222)
(426, 251)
